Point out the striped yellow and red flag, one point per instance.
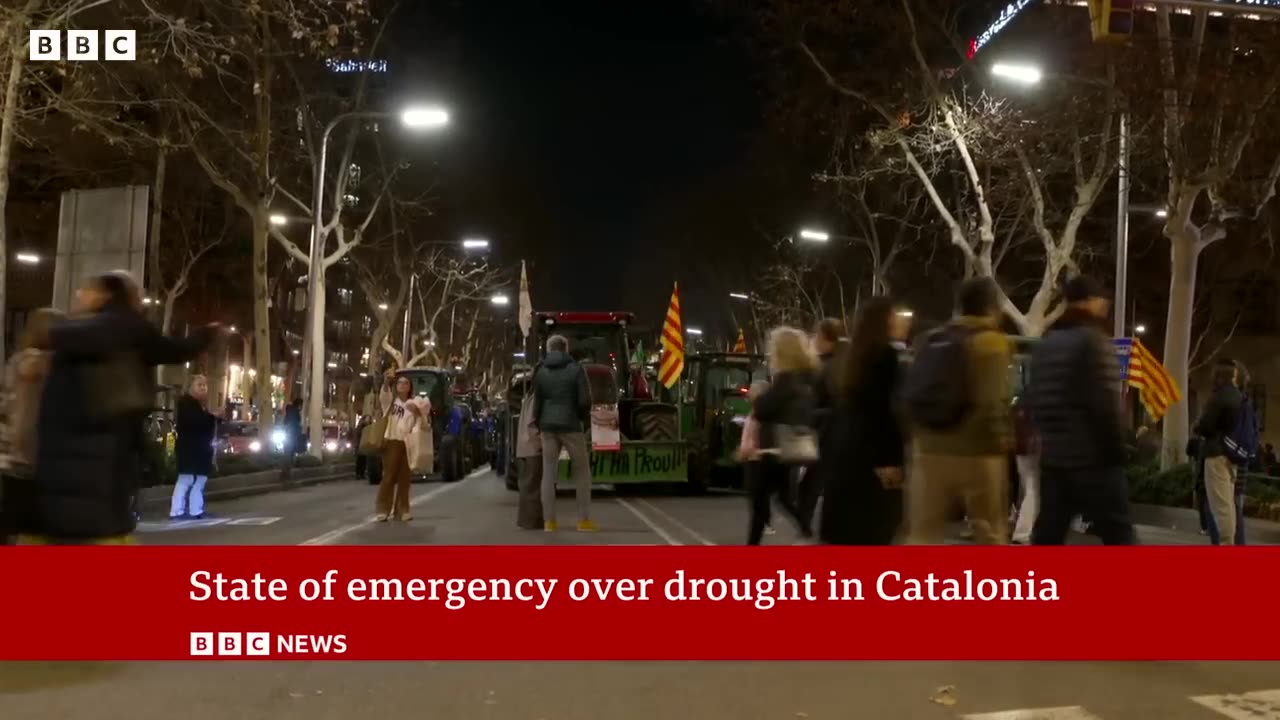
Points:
(741, 345)
(1155, 387)
(672, 343)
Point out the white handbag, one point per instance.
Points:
(797, 444)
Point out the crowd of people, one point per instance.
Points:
(78, 392)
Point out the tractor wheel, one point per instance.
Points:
(450, 460)
(699, 465)
(657, 424)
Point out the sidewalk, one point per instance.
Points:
(1185, 522)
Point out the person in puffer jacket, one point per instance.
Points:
(786, 407)
(562, 413)
(24, 382)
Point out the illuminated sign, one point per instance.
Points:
(1007, 14)
(355, 66)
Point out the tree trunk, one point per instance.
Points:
(1185, 255)
(246, 379)
(166, 317)
(262, 319)
(17, 60)
(157, 209)
(315, 394)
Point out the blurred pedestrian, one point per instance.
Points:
(1077, 408)
(529, 476)
(295, 440)
(862, 460)
(24, 383)
(1027, 467)
(828, 339)
(958, 396)
(787, 440)
(562, 414)
(1217, 421)
(196, 428)
(403, 412)
(91, 435)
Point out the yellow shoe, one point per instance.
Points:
(383, 517)
(550, 526)
(586, 526)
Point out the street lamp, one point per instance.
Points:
(278, 219)
(814, 235)
(383, 306)
(518, 356)
(1031, 75)
(693, 331)
(1162, 213)
(28, 258)
(475, 244)
(740, 296)
(500, 300)
(417, 118)
(1140, 329)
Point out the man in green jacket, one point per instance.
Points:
(562, 411)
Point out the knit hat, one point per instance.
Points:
(1081, 288)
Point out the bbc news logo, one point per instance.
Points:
(259, 644)
(83, 45)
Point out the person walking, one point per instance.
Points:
(562, 412)
(828, 339)
(403, 412)
(1217, 421)
(1076, 406)
(958, 398)
(861, 463)
(196, 428)
(90, 432)
(24, 383)
(784, 413)
(1027, 462)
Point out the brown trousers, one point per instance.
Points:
(393, 491)
(939, 481)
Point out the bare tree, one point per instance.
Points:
(449, 299)
(1222, 163)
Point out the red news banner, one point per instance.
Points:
(633, 603)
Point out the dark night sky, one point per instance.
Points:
(606, 143)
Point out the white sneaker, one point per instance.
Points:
(768, 530)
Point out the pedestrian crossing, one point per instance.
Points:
(1259, 705)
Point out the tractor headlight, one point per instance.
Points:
(331, 446)
(255, 446)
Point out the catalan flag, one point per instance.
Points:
(1152, 381)
(741, 345)
(672, 343)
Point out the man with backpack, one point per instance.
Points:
(1240, 448)
(958, 399)
(1076, 407)
(1217, 424)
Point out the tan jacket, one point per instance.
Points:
(24, 383)
(988, 428)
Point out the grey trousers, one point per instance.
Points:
(529, 509)
(580, 463)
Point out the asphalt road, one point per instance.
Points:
(479, 510)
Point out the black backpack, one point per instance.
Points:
(937, 388)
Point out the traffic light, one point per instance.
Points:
(1112, 20)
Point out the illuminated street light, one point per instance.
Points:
(333, 366)
(1162, 213)
(295, 352)
(905, 313)
(693, 331)
(475, 244)
(1140, 329)
(233, 328)
(424, 117)
(382, 306)
(429, 343)
(814, 236)
(518, 356)
(28, 258)
(147, 301)
(740, 296)
(500, 300)
(1024, 74)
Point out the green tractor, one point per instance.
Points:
(714, 405)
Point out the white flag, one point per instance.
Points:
(526, 305)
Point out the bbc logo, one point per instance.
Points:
(83, 46)
(231, 644)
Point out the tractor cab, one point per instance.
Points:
(714, 402)
(449, 419)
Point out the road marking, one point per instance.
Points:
(1075, 712)
(655, 527)
(1261, 705)
(171, 525)
(337, 534)
(692, 533)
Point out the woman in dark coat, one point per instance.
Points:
(862, 479)
(194, 450)
(97, 395)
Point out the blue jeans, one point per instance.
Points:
(1212, 527)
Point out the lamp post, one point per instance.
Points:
(418, 118)
(1030, 75)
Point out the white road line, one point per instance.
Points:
(1075, 712)
(1261, 705)
(655, 527)
(336, 534)
(671, 519)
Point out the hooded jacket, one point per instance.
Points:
(561, 397)
(1074, 395)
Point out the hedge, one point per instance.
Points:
(162, 469)
(1175, 487)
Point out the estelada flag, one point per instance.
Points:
(672, 343)
(741, 345)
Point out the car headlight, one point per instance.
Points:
(255, 446)
(348, 445)
(331, 446)
(278, 437)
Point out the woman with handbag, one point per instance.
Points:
(403, 412)
(786, 440)
(196, 428)
(100, 389)
(862, 474)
